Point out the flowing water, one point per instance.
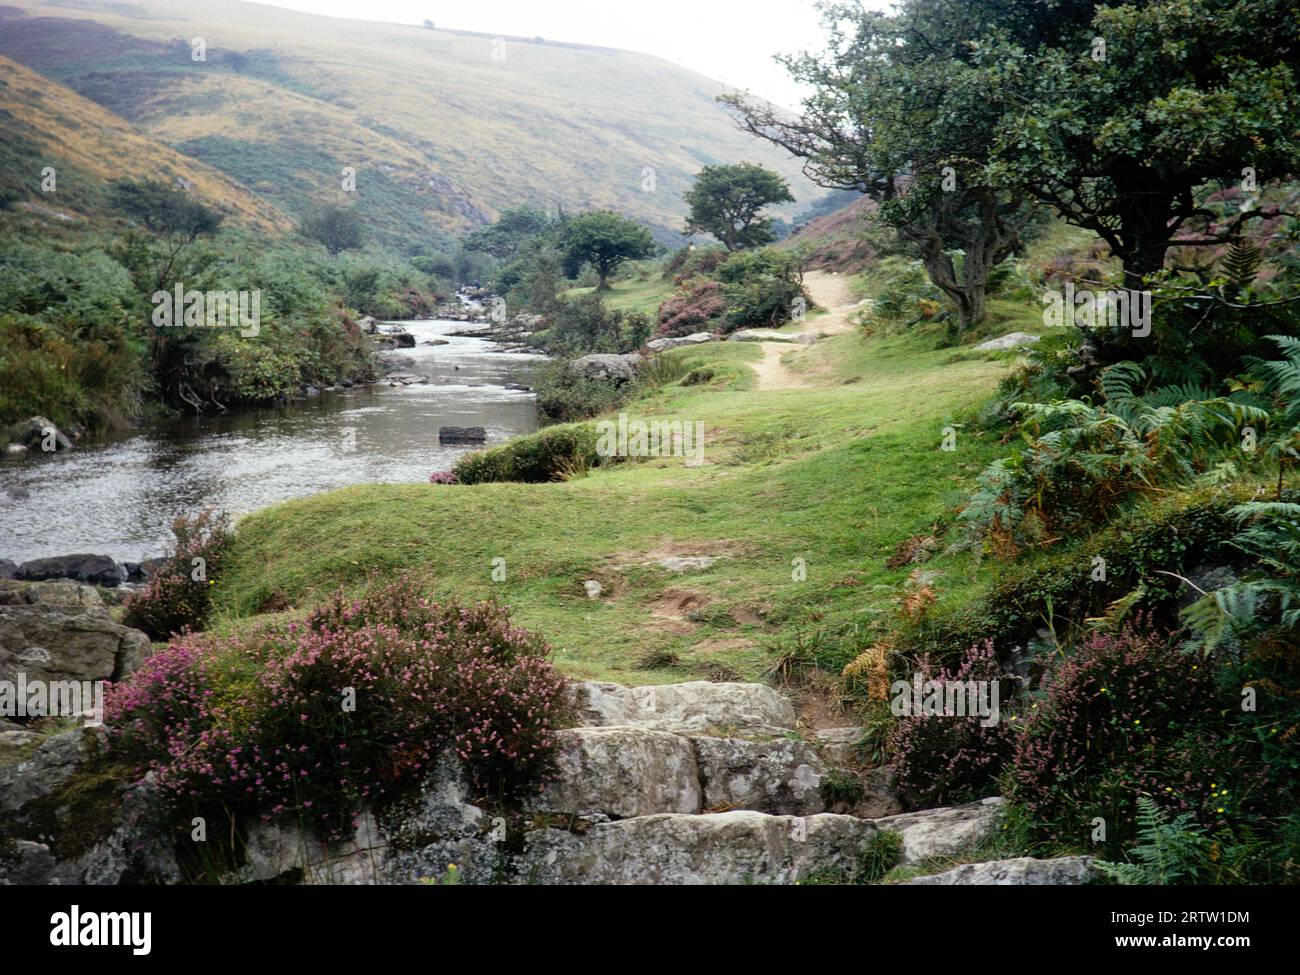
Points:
(117, 495)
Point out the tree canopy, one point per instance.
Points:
(726, 201)
(605, 240)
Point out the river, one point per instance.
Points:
(117, 495)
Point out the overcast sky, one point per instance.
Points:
(730, 40)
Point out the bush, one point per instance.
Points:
(1126, 715)
(553, 454)
(304, 722)
(944, 759)
(564, 394)
(696, 307)
(586, 325)
(761, 287)
(179, 595)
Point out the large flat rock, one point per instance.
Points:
(622, 772)
(781, 776)
(727, 848)
(944, 831)
(1021, 872)
(696, 706)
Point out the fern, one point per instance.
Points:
(1241, 263)
(1167, 852)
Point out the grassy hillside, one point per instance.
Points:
(443, 128)
(46, 124)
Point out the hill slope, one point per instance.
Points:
(441, 126)
(46, 124)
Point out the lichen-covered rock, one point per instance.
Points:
(61, 631)
(49, 767)
(675, 341)
(779, 776)
(601, 365)
(1023, 871)
(727, 848)
(944, 831)
(622, 772)
(839, 745)
(696, 706)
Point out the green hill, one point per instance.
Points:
(443, 128)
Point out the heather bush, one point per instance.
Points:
(942, 759)
(443, 477)
(1126, 714)
(178, 597)
(306, 721)
(697, 306)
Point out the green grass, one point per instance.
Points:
(834, 474)
(638, 293)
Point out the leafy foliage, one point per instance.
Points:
(726, 201)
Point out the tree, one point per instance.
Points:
(605, 240)
(725, 201)
(513, 231)
(164, 211)
(338, 228)
(899, 111)
(1121, 117)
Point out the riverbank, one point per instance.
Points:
(781, 534)
(116, 495)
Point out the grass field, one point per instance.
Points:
(834, 474)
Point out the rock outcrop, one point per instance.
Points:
(692, 783)
(1023, 871)
(61, 631)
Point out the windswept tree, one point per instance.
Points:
(1123, 117)
(899, 111)
(727, 202)
(605, 240)
(338, 228)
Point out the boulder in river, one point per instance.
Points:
(98, 570)
(462, 435)
(37, 432)
(7, 569)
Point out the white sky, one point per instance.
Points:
(730, 40)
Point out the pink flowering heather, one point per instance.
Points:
(942, 759)
(178, 597)
(444, 477)
(1123, 714)
(311, 719)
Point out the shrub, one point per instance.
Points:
(1126, 715)
(308, 720)
(761, 287)
(443, 477)
(695, 307)
(178, 597)
(586, 325)
(552, 454)
(564, 394)
(942, 759)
